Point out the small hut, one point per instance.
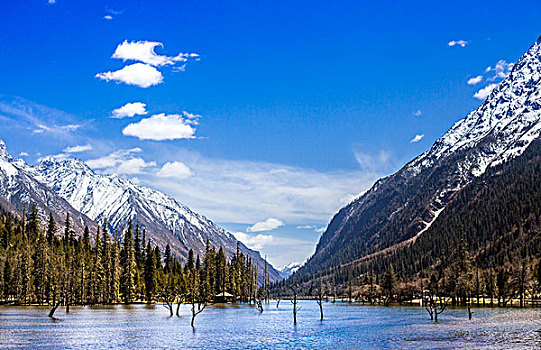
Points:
(224, 297)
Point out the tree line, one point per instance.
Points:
(44, 265)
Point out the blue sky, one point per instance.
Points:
(301, 105)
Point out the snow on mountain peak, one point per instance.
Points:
(511, 114)
(3, 151)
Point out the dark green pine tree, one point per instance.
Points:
(33, 223)
(51, 229)
(168, 259)
(67, 229)
(137, 247)
(128, 266)
(150, 273)
(86, 239)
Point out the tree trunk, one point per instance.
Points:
(178, 309)
(51, 313)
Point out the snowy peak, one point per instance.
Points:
(511, 115)
(3, 151)
(69, 164)
(289, 269)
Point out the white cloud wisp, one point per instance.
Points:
(162, 127)
(177, 170)
(78, 149)
(143, 51)
(417, 138)
(461, 43)
(138, 74)
(129, 110)
(267, 225)
(484, 92)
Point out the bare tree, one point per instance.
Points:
(180, 300)
(435, 302)
(319, 301)
(197, 297)
(295, 302)
(168, 301)
(55, 306)
(259, 305)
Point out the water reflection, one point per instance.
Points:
(242, 326)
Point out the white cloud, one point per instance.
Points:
(23, 154)
(321, 229)
(307, 227)
(175, 170)
(55, 129)
(484, 92)
(267, 225)
(108, 17)
(350, 197)
(133, 166)
(121, 162)
(501, 69)
(26, 115)
(143, 51)
(161, 127)
(139, 74)
(373, 162)
(243, 192)
(417, 138)
(52, 2)
(78, 149)
(461, 43)
(129, 110)
(476, 80)
(417, 113)
(256, 242)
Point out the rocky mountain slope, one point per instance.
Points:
(403, 206)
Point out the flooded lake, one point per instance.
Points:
(242, 326)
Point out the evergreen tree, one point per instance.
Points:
(51, 229)
(150, 273)
(67, 229)
(168, 259)
(129, 266)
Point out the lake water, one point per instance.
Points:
(243, 327)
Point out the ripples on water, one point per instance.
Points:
(243, 327)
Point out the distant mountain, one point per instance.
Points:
(61, 186)
(19, 191)
(289, 269)
(404, 206)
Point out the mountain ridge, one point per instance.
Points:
(401, 206)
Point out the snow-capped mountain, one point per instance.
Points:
(118, 200)
(19, 191)
(402, 206)
(289, 269)
(70, 186)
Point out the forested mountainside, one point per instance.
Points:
(495, 221)
(405, 205)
